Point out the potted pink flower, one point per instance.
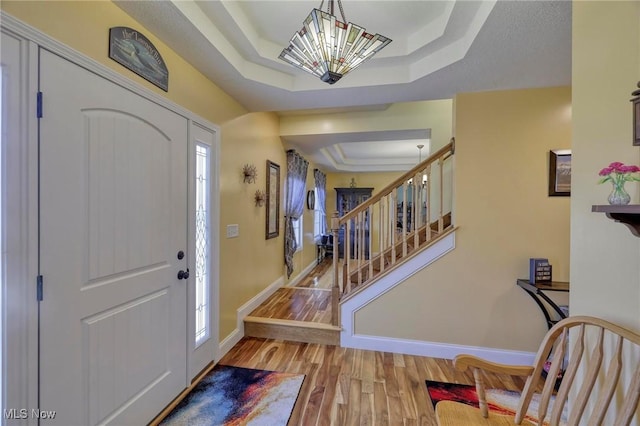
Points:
(618, 174)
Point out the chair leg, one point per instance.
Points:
(482, 399)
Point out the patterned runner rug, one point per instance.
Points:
(238, 396)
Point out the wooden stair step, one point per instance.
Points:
(297, 331)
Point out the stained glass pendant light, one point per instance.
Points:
(329, 48)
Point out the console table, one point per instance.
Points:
(537, 292)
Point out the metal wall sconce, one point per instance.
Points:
(259, 198)
(249, 173)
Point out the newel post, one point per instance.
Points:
(335, 289)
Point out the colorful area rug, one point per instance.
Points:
(238, 396)
(498, 400)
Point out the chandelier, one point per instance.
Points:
(329, 48)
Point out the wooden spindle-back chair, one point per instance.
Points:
(593, 360)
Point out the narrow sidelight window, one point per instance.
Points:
(203, 243)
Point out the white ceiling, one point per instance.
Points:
(439, 48)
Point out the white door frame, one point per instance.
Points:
(20, 201)
(25, 348)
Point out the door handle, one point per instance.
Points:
(183, 275)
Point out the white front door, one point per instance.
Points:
(113, 218)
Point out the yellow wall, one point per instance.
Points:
(250, 263)
(469, 297)
(84, 26)
(605, 265)
(605, 256)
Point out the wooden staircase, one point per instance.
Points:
(402, 219)
(398, 222)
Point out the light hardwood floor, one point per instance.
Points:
(344, 386)
(356, 387)
(300, 313)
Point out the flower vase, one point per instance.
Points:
(619, 195)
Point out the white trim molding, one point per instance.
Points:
(439, 350)
(19, 244)
(244, 311)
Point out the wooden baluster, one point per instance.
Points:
(404, 219)
(427, 201)
(441, 217)
(415, 216)
(394, 227)
(381, 231)
(369, 219)
(337, 289)
(347, 253)
(359, 240)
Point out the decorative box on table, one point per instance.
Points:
(539, 270)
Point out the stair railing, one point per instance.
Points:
(385, 229)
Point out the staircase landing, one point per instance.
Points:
(301, 313)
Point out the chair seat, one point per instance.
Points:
(451, 413)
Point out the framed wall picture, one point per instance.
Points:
(560, 173)
(636, 121)
(273, 200)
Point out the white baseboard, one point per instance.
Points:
(439, 350)
(234, 337)
(294, 282)
(229, 342)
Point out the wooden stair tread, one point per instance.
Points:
(296, 323)
(292, 330)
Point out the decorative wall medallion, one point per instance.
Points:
(249, 173)
(259, 198)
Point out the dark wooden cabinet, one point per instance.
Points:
(346, 200)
